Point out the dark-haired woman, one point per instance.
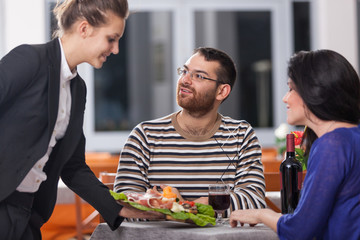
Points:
(42, 103)
(324, 95)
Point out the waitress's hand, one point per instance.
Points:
(130, 212)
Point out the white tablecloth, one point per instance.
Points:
(274, 197)
(165, 230)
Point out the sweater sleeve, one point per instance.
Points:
(133, 164)
(249, 191)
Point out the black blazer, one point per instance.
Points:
(29, 99)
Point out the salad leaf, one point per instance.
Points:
(205, 212)
(205, 209)
(201, 219)
(179, 215)
(118, 196)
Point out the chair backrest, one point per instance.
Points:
(272, 181)
(269, 153)
(102, 162)
(107, 179)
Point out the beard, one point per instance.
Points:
(198, 104)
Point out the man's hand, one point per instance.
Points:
(203, 200)
(130, 212)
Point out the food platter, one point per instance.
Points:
(174, 217)
(201, 216)
(167, 217)
(170, 218)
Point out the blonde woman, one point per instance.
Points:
(42, 103)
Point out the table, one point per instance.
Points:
(165, 230)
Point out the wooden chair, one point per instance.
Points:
(271, 166)
(269, 154)
(272, 183)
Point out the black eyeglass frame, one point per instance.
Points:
(181, 71)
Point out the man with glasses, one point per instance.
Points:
(196, 146)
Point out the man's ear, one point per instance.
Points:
(223, 91)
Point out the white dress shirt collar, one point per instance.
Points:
(65, 73)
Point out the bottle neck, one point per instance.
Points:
(290, 143)
(290, 154)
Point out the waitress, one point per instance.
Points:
(42, 103)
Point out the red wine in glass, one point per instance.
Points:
(219, 199)
(219, 202)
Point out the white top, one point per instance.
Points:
(36, 175)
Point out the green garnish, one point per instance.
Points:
(204, 216)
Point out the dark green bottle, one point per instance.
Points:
(291, 178)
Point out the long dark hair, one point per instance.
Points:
(329, 87)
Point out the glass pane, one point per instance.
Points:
(136, 84)
(246, 37)
(301, 11)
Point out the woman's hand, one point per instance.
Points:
(255, 216)
(249, 216)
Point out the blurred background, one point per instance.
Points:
(139, 83)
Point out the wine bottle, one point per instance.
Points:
(291, 178)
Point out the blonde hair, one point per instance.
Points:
(93, 11)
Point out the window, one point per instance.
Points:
(139, 83)
(246, 36)
(301, 15)
(131, 87)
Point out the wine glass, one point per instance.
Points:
(219, 199)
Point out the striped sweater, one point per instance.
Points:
(160, 152)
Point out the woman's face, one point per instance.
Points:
(104, 40)
(295, 106)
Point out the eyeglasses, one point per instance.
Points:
(194, 76)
